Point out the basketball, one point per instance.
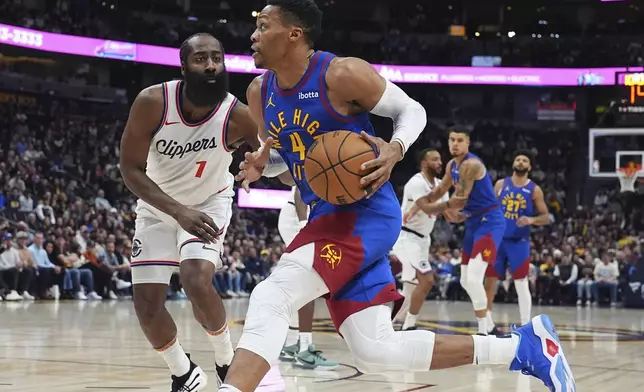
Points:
(332, 166)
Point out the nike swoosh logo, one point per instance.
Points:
(209, 248)
(306, 361)
(171, 122)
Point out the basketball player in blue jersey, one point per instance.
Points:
(519, 197)
(342, 251)
(484, 229)
(484, 226)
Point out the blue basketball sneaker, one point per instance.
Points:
(540, 354)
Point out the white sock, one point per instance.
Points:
(291, 337)
(228, 388)
(482, 325)
(525, 300)
(408, 290)
(306, 339)
(221, 343)
(489, 321)
(177, 360)
(494, 350)
(410, 321)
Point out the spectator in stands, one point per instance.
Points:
(236, 276)
(50, 276)
(121, 274)
(567, 273)
(102, 273)
(74, 262)
(586, 280)
(606, 274)
(15, 278)
(545, 281)
(101, 202)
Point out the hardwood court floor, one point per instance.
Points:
(98, 346)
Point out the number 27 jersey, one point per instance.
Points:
(516, 201)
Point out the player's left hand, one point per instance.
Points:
(454, 216)
(388, 155)
(410, 213)
(525, 221)
(457, 202)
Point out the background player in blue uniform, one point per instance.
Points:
(519, 197)
(484, 224)
(342, 251)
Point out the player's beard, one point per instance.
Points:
(431, 172)
(521, 172)
(201, 92)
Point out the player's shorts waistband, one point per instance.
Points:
(414, 232)
(482, 211)
(516, 239)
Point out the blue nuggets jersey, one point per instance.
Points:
(352, 241)
(482, 197)
(516, 201)
(294, 118)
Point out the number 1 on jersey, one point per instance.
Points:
(201, 165)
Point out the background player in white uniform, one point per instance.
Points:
(175, 156)
(299, 345)
(412, 247)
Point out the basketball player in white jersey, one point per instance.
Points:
(175, 156)
(412, 247)
(299, 345)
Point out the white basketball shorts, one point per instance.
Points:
(160, 244)
(288, 223)
(413, 253)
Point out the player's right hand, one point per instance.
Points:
(252, 167)
(198, 224)
(453, 216)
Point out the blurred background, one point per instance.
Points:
(561, 78)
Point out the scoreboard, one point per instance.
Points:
(632, 101)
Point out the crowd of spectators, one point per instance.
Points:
(412, 34)
(67, 220)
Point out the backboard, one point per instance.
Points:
(612, 149)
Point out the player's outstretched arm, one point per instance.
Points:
(446, 183)
(542, 209)
(145, 115)
(356, 81)
(264, 161)
(428, 203)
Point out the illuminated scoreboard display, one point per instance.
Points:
(633, 100)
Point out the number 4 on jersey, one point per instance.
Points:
(201, 165)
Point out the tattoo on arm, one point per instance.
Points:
(469, 172)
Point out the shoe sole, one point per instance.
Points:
(560, 373)
(286, 357)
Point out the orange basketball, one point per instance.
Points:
(332, 166)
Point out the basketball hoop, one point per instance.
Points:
(627, 176)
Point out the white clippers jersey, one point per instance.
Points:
(190, 161)
(415, 188)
